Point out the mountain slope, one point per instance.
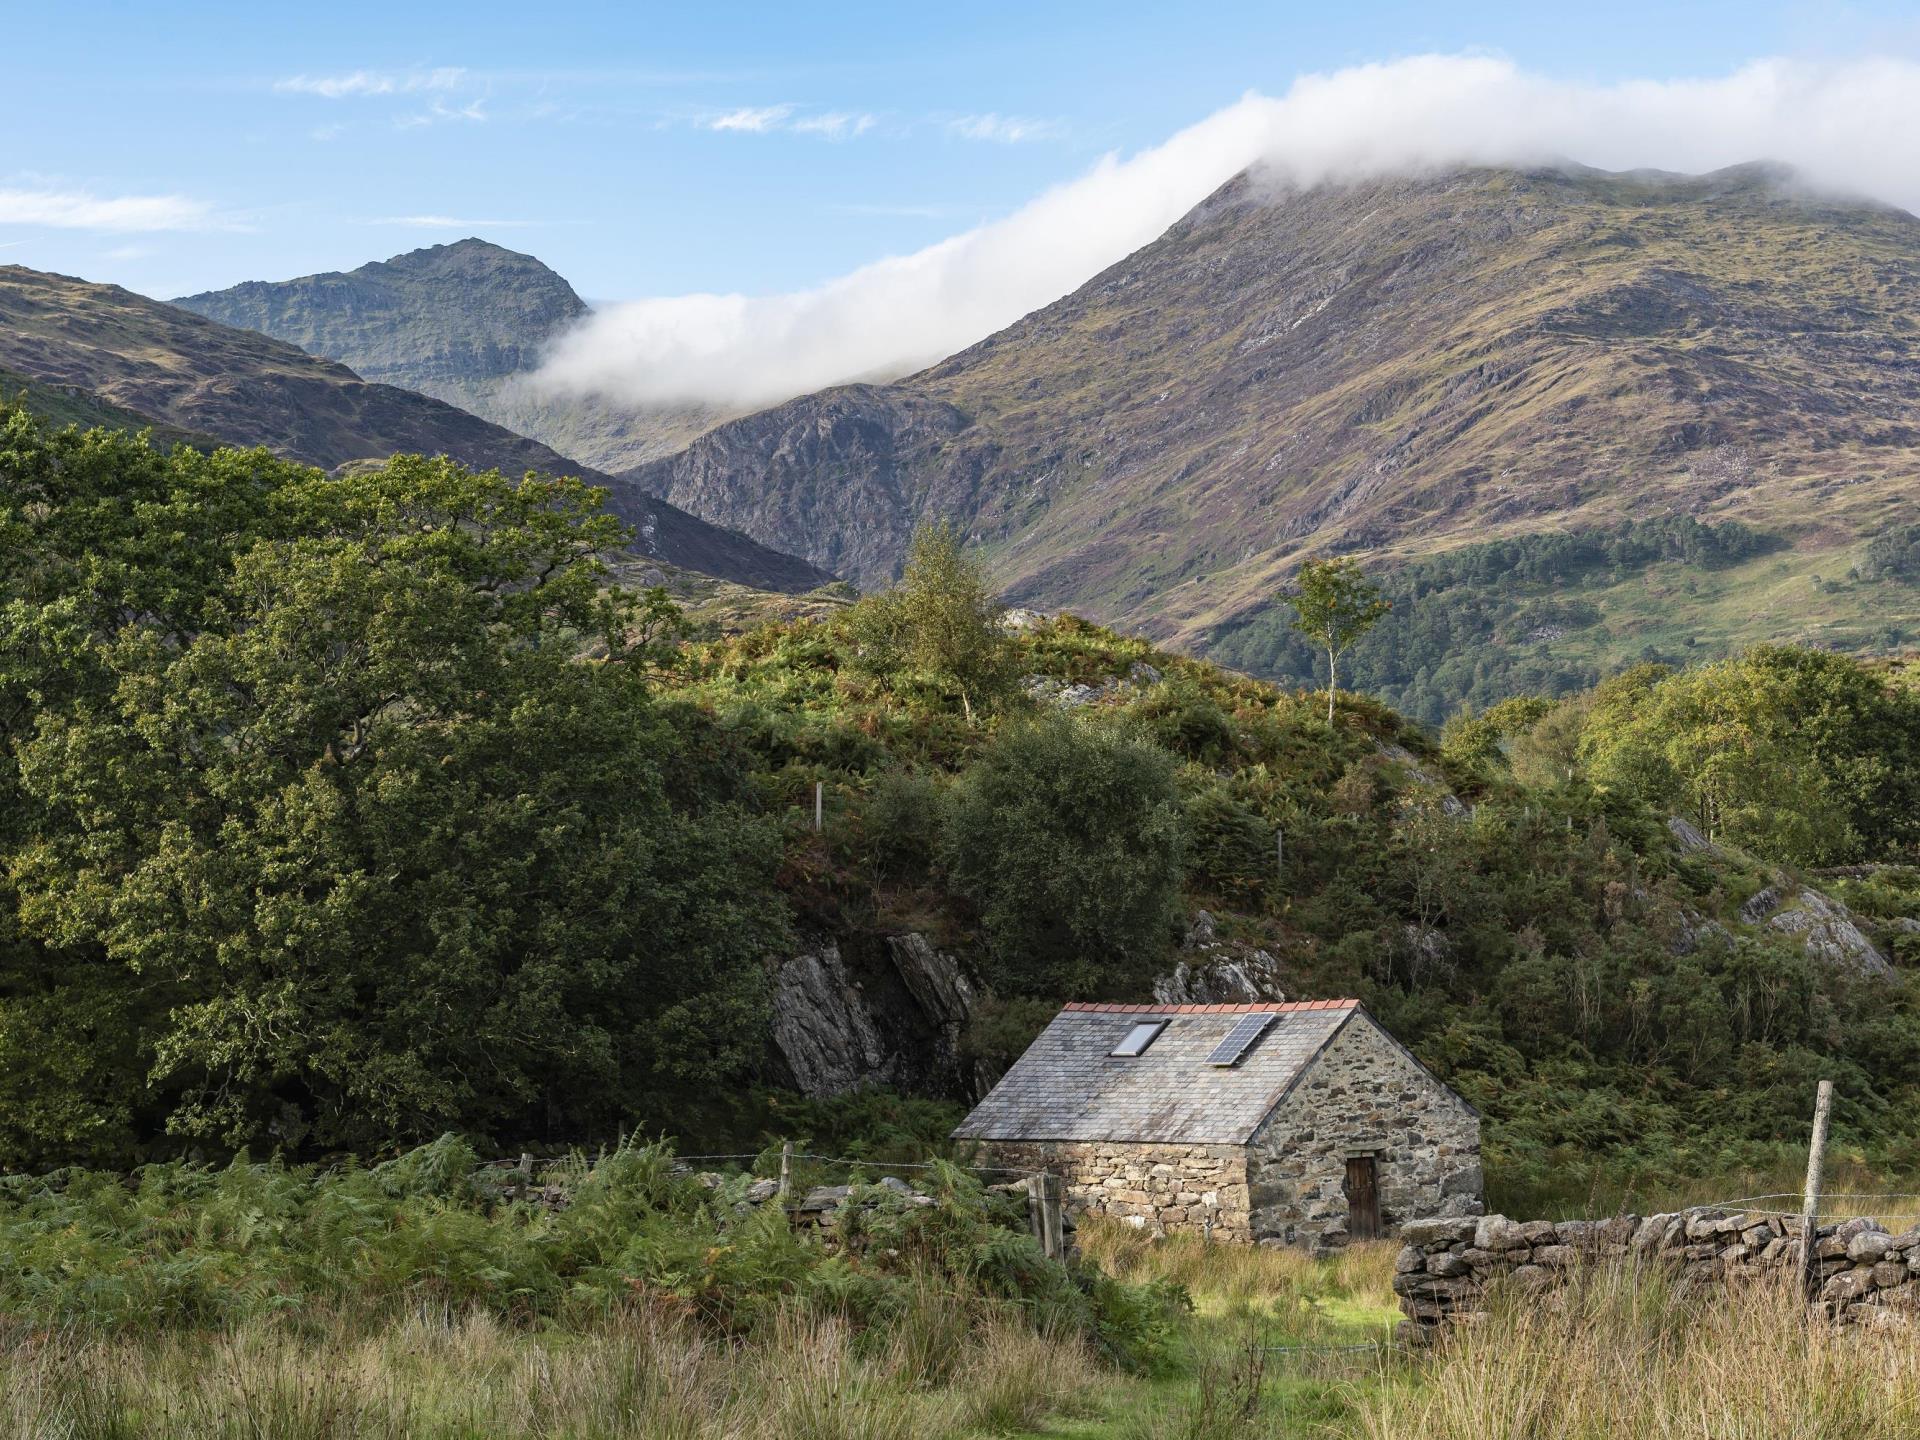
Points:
(464, 323)
(182, 370)
(1402, 366)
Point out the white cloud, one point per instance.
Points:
(1852, 125)
(1004, 129)
(83, 210)
(752, 120)
(324, 133)
(834, 124)
(373, 82)
(130, 252)
(768, 119)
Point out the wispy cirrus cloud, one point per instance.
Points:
(752, 119)
(1005, 129)
(791, 119)
(373, 82)
(83, 210)
(474, 112)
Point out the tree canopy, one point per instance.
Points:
(320, 828)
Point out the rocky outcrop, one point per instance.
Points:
(1213, 971)
(1825, 926)
(1069, 695)
(1688, 837)
(1451, 805)
(822, 1026)
(859, 1012)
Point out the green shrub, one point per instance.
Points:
(1067, 840)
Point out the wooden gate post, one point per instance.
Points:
(786, 1170)
(1810, 1201)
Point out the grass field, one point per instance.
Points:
(1623, 1358)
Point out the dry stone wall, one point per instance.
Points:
(1179, 1189)
(1448, 1269)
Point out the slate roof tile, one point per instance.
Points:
(1067, 1086)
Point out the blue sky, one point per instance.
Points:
(648, 150)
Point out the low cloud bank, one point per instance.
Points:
(1853, 126)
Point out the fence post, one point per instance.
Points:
(1037, 1207)
(786, 1170)
(819, 805)
(1046, 1213)
(1810, 1202)
(525, 1172)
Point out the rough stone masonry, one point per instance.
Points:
(1449, 1270)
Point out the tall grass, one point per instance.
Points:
(640, 1373)
(1623, 1357)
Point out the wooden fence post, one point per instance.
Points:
(786, 1170)
(1810, 1202)
(1046, 1213)
(819, 805)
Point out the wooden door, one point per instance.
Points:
(1363, 1199)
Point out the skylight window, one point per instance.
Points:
(1143, 1034)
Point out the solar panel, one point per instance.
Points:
(1240, 1039)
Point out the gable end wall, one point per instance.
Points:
(1364, 1095)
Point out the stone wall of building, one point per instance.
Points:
(1363, 1096)
(1190, 1189)
(1449, 1269)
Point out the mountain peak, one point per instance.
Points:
(453, 320)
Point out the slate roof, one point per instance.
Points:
(1068, 1087)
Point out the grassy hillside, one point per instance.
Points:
(1399, 368)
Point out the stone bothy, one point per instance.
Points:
(1302, 1123)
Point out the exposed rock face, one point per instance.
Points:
(1688, 837)
(890, 1014)
(1212, 971)
(1826, 927)
(822, 1027)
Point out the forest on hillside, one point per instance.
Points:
(341, 813)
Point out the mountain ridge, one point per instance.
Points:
(182, 370)
(1397, 367)
(466, 322)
